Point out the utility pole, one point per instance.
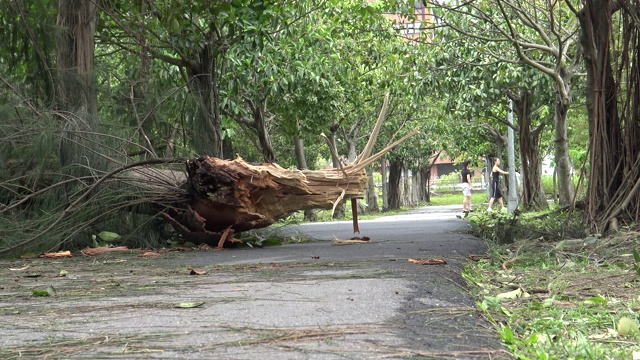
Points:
(512, 202)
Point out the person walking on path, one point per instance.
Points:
(466, 188)
(496, 194)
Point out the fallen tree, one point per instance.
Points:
(206, 204)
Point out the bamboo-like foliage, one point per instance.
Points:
(44, 204)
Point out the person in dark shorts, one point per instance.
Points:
(495, 180)
(466, 187)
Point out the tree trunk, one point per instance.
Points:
(75, 57)
(309, 214)
(533, 196)
(425, 180)
(416, 194)
(301, 159)
(76, 82)
(613, 85)
(605, 140)
(351, 149)
(235, 195)
(563, 162)
(260, 127)
(372, 198)
(406, 186)
(339, 212)
(207, 128)
(385, 184)
(395, 177)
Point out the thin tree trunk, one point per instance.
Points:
(385, 185)
(425, 176)
(259, 125)
(395, 178)
(207, 129)
(416, 195)
(339, 212)
(309, 214)
(372, 198)
(406, 188)
(533, 196)
(563, 162)
(76, 83)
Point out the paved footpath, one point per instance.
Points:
(312, 300)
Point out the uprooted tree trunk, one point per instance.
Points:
(215, 199)
(241, 196)
(228, 196)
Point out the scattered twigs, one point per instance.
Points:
(85, 195)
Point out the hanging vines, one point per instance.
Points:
(610, 37)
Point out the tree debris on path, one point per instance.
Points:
(206, 204)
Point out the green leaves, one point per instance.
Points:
(49, 291)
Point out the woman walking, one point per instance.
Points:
(495, 175)
(466, 188)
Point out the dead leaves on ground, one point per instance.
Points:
(150, 254)
(427, 261)
(353, 240)
(104, 249)
(55, 255)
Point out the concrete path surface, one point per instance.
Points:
(313, 300)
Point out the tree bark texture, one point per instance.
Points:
(372, 198)
(76, 91)
(563, 163)
(533, 196)
(76, 25)
(425, 177)
(207, 128)
(406, 186)
(385, 185)
(395, 179)
(301, 159)
(235, 194)
(614, 152)
(259, 125)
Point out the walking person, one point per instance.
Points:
(495, 179)
(466, 188)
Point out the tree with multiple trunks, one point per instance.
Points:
(609, 35)
(541, 36)
(464, 66)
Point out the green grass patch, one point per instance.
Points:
(573, 298)
(455, 199)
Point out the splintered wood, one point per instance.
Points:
(246, 196)
(227, 196)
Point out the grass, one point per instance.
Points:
(455, 199)
(560, 298)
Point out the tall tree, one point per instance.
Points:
(611, 52)
(542, 36)
(76, 95)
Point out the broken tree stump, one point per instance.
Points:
(236, 196)
(244, 196)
